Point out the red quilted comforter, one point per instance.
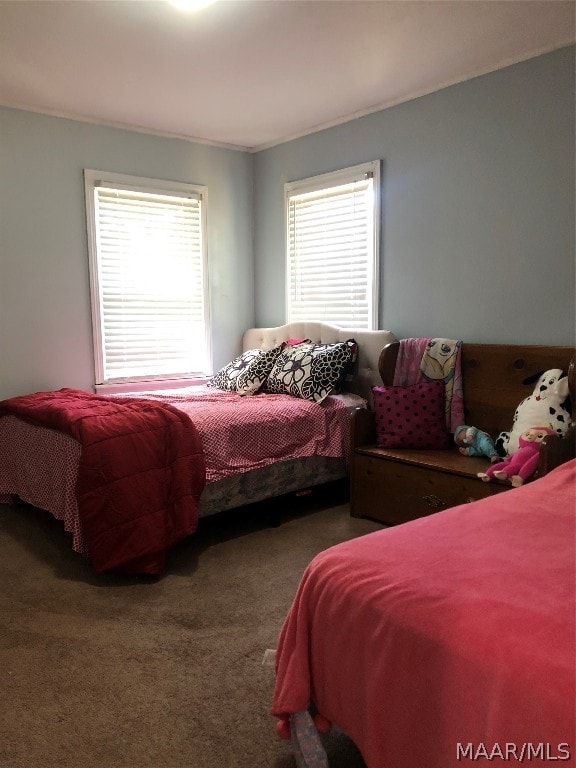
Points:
(140, 477)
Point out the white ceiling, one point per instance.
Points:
(253, 73)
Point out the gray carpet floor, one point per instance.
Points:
(117, 672)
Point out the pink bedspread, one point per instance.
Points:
(448, 639)
(244, 433)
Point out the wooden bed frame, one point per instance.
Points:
(396, 485)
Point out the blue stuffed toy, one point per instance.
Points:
(474, 442)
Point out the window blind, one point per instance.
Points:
(150, 276)
(331, 257)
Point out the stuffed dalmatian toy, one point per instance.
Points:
(543, 407)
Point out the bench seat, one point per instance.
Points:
(394, 485)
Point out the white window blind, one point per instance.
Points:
(148, 280)
(332, 248)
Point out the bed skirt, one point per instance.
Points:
(267, 482)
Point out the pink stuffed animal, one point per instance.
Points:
(522, 464)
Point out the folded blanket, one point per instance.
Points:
(140, 476)
(425, 359)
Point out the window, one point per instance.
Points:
(332, 247)
(148, 278)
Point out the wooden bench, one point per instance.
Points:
(396, 485)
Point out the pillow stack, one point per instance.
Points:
(305, 370)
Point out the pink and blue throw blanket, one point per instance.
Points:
(425, 359)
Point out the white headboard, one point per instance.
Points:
(370, 345)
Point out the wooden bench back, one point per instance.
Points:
(493, 378)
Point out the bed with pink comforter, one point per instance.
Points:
(445, 641)
(89, 460)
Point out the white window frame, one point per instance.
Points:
(326, 182)
(92, 181)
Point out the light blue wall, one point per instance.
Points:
(478, 206)
(477, 231)
(45, 325)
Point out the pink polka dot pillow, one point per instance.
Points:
(411, 417)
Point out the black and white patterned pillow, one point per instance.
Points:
(311, 371)
(247, 372)
(226, 377)
(255, 375)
